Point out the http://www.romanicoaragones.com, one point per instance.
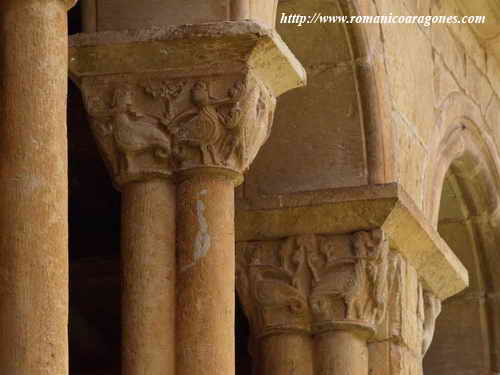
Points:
(319, 18)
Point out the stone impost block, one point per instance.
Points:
(187, 51)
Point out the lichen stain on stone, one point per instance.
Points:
(202, 240)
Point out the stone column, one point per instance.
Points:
(371, 296)
(148, 269)
(342, 351)
(205, 293)
(135, 152)
(227, 122)
(195, 104)
(330, 289)
(34, 187)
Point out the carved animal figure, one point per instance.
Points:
(134, 132)
(204, 127)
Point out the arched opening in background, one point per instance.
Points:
(464, 341)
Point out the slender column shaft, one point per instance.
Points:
(206, 276)
(148, 266)
(285, 354)
(33, 188)
(342, 352)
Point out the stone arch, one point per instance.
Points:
(461, 139)
(462, 201)
(331, 133)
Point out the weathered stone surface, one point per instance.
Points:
(478, 86)
(406, 72)
(368, 208)
(334, 142)
(492, 116)
(444, 82)
(209, 103)
(471, 358)
(412, 155)
(492, 68)
(153, 126)
(148, 269)
(34, 188)
(205, 338)
(314, 284)
(196, 103)
(485, 34)
(332, 288)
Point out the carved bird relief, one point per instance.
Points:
(134, 132)
(321, 282)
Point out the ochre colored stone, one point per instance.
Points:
(34, 188)
(205, 275)
(148, 268)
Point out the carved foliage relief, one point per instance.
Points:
(155, 126)
(314, 283)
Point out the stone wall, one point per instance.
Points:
(437, 76)
(389, 103)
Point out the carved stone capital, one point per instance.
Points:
(154, 126)
(314, 283)
(432, 309)
(177, 99)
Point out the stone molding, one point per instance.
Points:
(188, 50)
(313, 284)
(154, 126)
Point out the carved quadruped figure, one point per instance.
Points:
(432, 309)
(156, 126)
(367, 298)
(343, 279)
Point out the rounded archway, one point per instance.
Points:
(464, 205)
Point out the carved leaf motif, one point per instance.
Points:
(273, 293)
